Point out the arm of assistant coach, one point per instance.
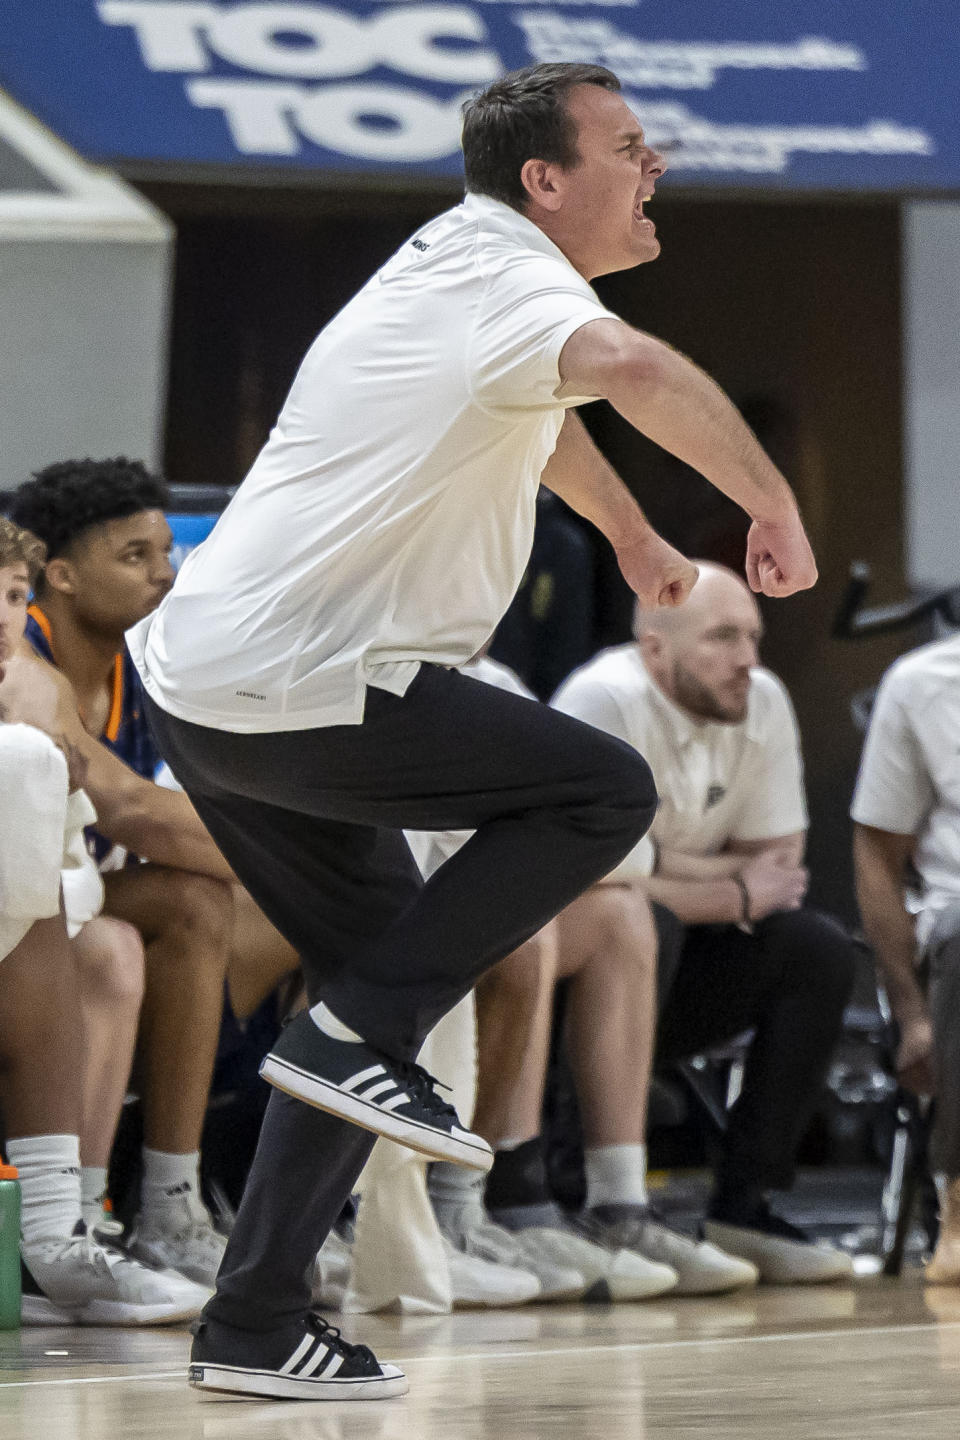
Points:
(669, 399)
(894, 794)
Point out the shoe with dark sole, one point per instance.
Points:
(351, 1079)
(320, 1365)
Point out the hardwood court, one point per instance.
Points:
(879, 1360)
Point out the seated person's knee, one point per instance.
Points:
(202, 907)
(816, 943)
(110, 960)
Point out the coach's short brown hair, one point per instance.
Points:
(523, 116)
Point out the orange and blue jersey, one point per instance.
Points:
(126, 732)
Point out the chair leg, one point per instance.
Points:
(904, 1178)
(899, 1194)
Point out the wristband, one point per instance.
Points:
(744, 901)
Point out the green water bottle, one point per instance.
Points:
(9, 1248)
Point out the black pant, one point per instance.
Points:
(788, 982)
(311, 822)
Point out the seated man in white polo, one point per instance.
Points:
(723, 866)
(907, 854)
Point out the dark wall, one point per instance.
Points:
(793, 308)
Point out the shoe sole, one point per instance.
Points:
(528, 1294)
(238, 1380)
(613, 1289)
(498, 1302)
(560, 1291)
(38, 1310)
(623, 1289)
(322, 1095)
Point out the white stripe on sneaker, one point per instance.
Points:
(374, 1090)
(297, 1355)
(429, 1139)
(333, 1367)
(369, 1074)
(402, 1099)
(316, 1362)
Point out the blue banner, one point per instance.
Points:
(792, 94)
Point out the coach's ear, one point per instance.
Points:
(543, 182)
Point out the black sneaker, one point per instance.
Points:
(395, 1098)
(321, 1365)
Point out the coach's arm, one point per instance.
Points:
(668, 398)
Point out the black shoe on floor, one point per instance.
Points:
(319, 1366)
(351, 1079)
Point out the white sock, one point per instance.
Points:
(326, 1021)
(49, 1167)
(169, 1179)
(452, 1184)
(616, 1174)
(93, 1192)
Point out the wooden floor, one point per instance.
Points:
(879, 1360)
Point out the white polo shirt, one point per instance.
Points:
(716, 782)
(909, 780)
(390, 515)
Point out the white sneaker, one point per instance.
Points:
(331, 1273)
(482, 1284)
(470, 1229)
(701, 1268)
(81, 1282)
(99, 1221)
(609, 1273)
(179, 1235)
(782, 1254)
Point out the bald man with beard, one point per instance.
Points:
(722, 869)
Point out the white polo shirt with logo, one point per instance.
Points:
(389, 517)
(909, 781)
(717, 783)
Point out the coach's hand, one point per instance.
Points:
(779, 559)
(656, 573)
